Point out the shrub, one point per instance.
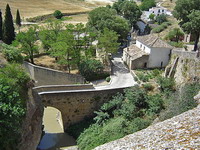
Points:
(13, 94)
(108, 79)
(148, 86)
(161, 18)
(180, 101)
(58, 14)
(143, 77)
(166, 84)
(92, 70)
(161, 27)
(12, 54)
(178, 45)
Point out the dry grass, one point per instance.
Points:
(49, 62)
(32, 8)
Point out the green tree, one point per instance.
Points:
(27, 42)
(130, 11)
(161, 18)
(18, 19)
(58, 14)
(63, 49)
(1, 26)
(107, 43)
(146, 4)
(104, 17)
(152, 17)
(182, 12)
(175, 34)
(49, 33)
(8, 27)
(193, 26)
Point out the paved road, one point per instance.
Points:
(121, 76)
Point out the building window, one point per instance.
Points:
(158, 10)
(153, 11)
(144, 48)
(140, 45)
(163, 10)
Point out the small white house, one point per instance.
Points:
(158, 10)
(148, 52)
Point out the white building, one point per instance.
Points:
(158, 10)
(148, 52)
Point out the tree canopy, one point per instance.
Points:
(27, 43)
(18, 18)
(187, 11)
(104, 17)
(129, 10)
(146, 4)
(8, 27)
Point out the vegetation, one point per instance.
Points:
(27, 43)
(1, 26)
(152, 17)
(129, 10)
(187, 11)
(107, 44)
(175, 35)
(180, 101)
(13, 91)
(123, 115)
(146, 4)
(161, 18)
(103, 17)
(8, 27)
(161, 27)
(12, 54)
(18, 19)
(92, 70)
(58, 14)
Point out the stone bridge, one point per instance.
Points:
(77, 101)
(75, 105)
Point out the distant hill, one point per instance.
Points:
(33, 8)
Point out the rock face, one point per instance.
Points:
(179, 132)
(187, 68)
(32, 123)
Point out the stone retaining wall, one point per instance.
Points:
(46, 76)
(185, 54)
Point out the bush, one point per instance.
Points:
(166, 84)
(178, 45)
(143, 77)
(180, 101)
(92, 70)
(148, 87)
(12, 54)
(161, 18)
(13, 94)
(161, 27)
(108, 79)
(58, 14)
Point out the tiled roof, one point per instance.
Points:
(153, 40)
(135, 52)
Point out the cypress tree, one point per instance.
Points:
(1, 26)
(18, 19)
(8, 27)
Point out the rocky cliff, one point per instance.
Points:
(32, 123)
(179, 132)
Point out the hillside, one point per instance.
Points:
(32, 8)
(179, 132)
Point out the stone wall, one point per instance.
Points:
(78, 104)
(46, 76)
(185, 54)
(187, 68)
(32, 123)
(49, 88)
